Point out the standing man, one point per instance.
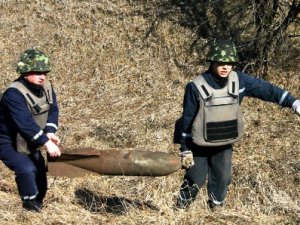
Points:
(212, 122)
(28, 121)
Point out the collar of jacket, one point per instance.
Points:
(35, 89)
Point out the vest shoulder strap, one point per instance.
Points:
(48, 91)
(30, 98)
(233, 84)
(203, 87)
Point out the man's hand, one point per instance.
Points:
(187, 160)
(53, 138)
(52, 149)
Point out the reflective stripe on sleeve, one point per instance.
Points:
(242, 90)
(52, 125)
(35, 137)
(283, 97)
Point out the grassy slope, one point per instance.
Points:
(121, 88)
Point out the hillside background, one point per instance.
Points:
(120, 74)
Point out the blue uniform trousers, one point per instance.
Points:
(213, 164)
(30, 172)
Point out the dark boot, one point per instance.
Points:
(213, 204)
(32, 205)
(187, 195)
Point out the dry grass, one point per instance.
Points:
(121, 88)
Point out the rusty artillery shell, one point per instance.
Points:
(115, 162)
(61, 169)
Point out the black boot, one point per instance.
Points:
(213, 204)
(187, 195)
(32, 205)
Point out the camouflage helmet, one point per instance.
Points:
(223, 51)
(33, 61)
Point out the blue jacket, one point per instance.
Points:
(248, 86)
(15, 117)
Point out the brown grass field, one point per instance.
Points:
(120, 86)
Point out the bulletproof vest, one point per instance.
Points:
(39, 107)
(219, 120)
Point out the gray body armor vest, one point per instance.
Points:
(38, 107)
(219, 120)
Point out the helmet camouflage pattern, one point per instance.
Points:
(33, 61)
(223, 51)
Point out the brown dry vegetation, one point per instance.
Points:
(119, 87)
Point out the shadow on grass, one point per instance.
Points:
(110, 204)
